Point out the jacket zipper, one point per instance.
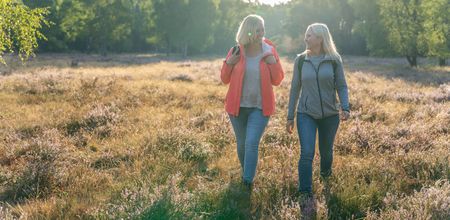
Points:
(318, 84)
(240, 91)
(260, 82)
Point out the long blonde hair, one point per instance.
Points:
(247, 29)
(321, 30)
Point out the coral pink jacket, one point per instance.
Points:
(271, 74)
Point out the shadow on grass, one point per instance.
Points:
(235, 203)
(342, 207)
(232, 203)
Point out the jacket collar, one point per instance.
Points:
(326, 57)
(307, 57)
(266, 44)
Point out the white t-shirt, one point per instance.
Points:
(251, 88)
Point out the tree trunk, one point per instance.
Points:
(412, 60)
(185, 50)
(88, 47)
(103, 50)
(442, 61)
(168, 47)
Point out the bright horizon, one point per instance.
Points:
(273, 2)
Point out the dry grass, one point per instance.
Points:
(147, 137)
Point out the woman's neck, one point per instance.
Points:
(315, 51)
(253, 49)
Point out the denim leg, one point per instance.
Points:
(306, 128)
(256, 124)
(239, 124)
(327, 132)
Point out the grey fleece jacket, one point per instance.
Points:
(315, 92)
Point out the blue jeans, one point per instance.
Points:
(307, 128)
(248, 128)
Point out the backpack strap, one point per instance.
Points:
(301, 60)
(334, 63)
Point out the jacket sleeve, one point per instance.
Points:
(341, 87)
(294, 92)
(276, 71)
(225, 72)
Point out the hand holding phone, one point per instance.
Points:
(236, 50)
(235, 56)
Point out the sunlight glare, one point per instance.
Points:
(273, 2)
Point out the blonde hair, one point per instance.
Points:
(247, 29)
(328, 46)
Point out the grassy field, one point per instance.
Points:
(147, 137)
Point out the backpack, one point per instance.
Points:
(301, 60)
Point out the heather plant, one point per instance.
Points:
(431, 202)
(45, 170)
(152, 141)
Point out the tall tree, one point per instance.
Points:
(403, 19)
(102, 25)
(142, 25)
(344, 35)
(274, 18)
(436, 33)
(368, 23)
(305, 12)
(56, 39)
(229, 14)
(198, 32)
(170, 17)
(108, 25)
(185, 24)
(20, 28)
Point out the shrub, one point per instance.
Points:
(429, 203)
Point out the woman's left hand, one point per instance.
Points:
(289, 126)
(345, 115)
(270, 59)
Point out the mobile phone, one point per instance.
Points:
(236, 50)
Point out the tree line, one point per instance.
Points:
(409, 28)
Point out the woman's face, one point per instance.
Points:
(259, 33)
(312, 41)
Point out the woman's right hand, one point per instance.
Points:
(234, 58)
(289, 126)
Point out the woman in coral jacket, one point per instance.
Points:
(251, 68)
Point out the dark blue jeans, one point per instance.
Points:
(307, 128)
(248, 128)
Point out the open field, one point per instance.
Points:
(147, 137)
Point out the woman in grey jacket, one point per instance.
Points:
(318, 75)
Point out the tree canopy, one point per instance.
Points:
(409, 28)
